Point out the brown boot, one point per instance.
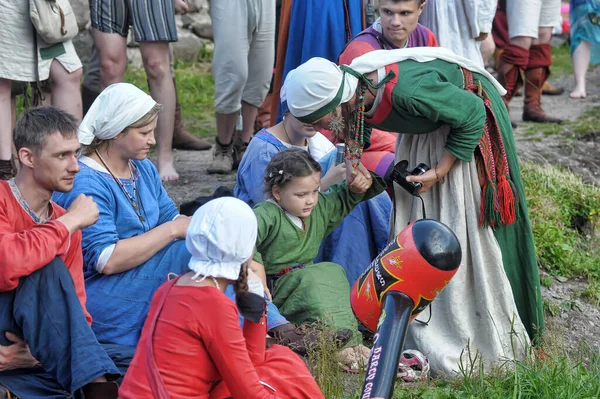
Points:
(222, 158)
(101, 390)
(550, 90)
(536, 74)
(239, 149)
(184, 140)
(513, 61)
(7, 170)
(301, 339)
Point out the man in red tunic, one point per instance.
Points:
(47, 347)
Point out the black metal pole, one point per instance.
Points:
(382, 367)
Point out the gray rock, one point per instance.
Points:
(83, 45)
(134, 57)
(187, 47)
(199, 5)
(202, 26)
(81, 8)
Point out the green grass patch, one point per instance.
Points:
(562, 64)
(195, 90)
(548, 376)
(564, 216)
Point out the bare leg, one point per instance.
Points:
(248, 118)
(225, 127)
(155, 56)
(65, 89)
(581, 62)
(113, 56)
(522, 41)
(5, 120)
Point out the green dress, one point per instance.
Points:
(425, 96)
(314, 292)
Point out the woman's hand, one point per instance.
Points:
(361, 183)
(435, 174)
(259, 271)
(180, 225)
(181, 6)
(333, 176)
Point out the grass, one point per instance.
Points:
(561, 61)
(547, 375)
(564, 214)
(586, 125)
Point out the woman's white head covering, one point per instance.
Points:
(117, 107)
(318, 86)
(221, 236)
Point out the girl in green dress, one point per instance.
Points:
(291, 225)
(454, 120)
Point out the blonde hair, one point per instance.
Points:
(143, 121)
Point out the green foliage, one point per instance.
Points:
(563, 209)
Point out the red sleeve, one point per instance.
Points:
(74, 261)
(354, 50)
(256, 340)
(432, 41)
(23, 253)
(224, 341)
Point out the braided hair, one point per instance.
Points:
(241, 284)
(287, 164)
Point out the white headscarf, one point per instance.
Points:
(221, 236)
(117, 107)
(316, 87)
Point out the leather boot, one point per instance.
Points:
(301, 339)
(550, 90)
(513, 61)
(184, 140)
(239, 149)
(101, 390)
(536, 74)
(222, 159)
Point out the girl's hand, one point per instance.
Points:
(333, 176)
(259, 272)
(361, 183)
(352, 173)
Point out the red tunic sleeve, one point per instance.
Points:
(256, 340)
(432, 41)
(225, 343)
(22, 253)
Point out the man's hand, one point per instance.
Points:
(17, 355)
(482, 36)
(82, 213)
(181, 6)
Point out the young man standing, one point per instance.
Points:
(47, 347)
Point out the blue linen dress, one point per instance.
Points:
(355, 242)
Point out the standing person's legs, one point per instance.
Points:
(91, 87)
(46, 312)
(538, 67)
(261, 56)
(66, 92)
(230, 71)
(581, 62)
(155, 56)
(6, 171)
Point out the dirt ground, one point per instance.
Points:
(575, 320)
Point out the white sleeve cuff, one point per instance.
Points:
(104, 257)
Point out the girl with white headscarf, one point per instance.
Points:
(192, 344)
(137, 239)
(450, 110)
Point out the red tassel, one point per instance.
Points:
(507, 201)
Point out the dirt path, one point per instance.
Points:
(575, 320)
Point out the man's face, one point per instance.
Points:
(399, 19)
(55, 167)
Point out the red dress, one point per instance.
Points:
(26, 247)
(201, 352)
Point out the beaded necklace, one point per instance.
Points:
(356, 139)
(134, 199)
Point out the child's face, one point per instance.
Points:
(299, 197)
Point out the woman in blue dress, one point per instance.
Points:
(138, 239)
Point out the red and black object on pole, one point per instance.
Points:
(402, 281)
